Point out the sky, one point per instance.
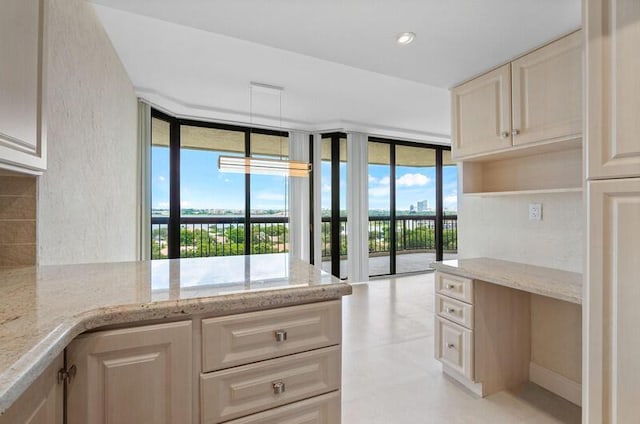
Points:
(204, 187)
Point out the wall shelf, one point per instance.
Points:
(552, 171)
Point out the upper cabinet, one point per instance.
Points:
(535, 100)
(547, 92)
(22, 105)
(482, 113)
(613, 88)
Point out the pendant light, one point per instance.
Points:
(249, 165)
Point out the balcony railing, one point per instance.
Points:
(413, 233)
(224, 236)
(221, 236)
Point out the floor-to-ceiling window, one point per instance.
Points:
(412, 206)
(199, 211)
(334, 204)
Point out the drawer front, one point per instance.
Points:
(454, 310)
(245, 390)
(323, 409)
(241, 339)
(453, 286)
(454, 346)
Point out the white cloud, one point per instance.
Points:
(411, 180)
(372, 179)
(162, 205)
(326, 188)
(227, 180)
(451, 201)
(161, 178)
(379, 191)
(270, 196)
(185, 204)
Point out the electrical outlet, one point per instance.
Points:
(535, 212)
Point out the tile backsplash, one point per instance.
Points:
(18, 194)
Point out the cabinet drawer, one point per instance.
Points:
(454, 346)
(454, 310)
(323, 409)
(242, 339)
(453, 286)
(241, 391)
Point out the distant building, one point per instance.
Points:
(423, 205)
(412, 209)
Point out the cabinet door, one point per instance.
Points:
(22, 53)
(42, 402)
(133, 375)
(613, 88)
(547, 92)
(611, 373)
(482, 114)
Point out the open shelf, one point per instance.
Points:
(552, 171)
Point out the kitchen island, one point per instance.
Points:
(43, 309)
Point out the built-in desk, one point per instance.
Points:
(494, 318)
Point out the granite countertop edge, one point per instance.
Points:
(15, 379)
(502, 280)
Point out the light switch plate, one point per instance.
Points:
(535, 211)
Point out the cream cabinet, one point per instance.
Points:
(612, 340)
(613, 88)
(22, 86)
(42, 403)
(132, 375)
(482, 114)
(534, 100)
(547, 92)
(263, 365)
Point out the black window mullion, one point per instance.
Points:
(439, 214)
(311, 203)
(392, 212)
(173, 228)
(247, 197)
(335, 205)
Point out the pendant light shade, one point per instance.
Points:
(248, 165)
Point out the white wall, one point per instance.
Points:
(87, 197)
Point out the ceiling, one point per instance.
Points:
(456, 39)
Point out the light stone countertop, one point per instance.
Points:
(43, 308)
(550, 282)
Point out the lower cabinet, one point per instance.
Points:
(132, 375)
(42, 403)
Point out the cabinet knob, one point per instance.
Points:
(515, 132)
(451, 310)
(278, 388)
(281, 335)
(504, 134)
(450, 286)
(451, 346)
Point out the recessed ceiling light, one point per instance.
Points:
(405, 38)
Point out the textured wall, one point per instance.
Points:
(499, 227)
(17, 219)
(87, 197)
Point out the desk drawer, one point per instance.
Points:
(245, 390)
(256, 336)
(454, 346)
(453, 286)
(324, 409)
(454, 310)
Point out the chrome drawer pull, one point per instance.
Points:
(451, 346)
(278, 388)
(281, 335)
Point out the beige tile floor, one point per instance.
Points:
(390, 376)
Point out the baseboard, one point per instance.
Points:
(556, 383)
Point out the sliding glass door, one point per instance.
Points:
(412, 206)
